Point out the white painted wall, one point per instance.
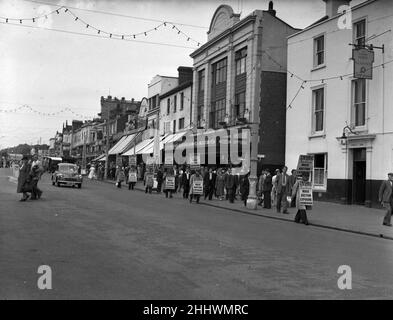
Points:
(338, 97)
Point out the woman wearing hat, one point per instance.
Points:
(301, 215)
(24, 179)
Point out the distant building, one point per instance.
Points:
(176, 104)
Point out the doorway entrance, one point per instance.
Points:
(359, 176)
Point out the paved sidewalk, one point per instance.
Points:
(349, 218)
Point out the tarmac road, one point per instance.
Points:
(106, 243)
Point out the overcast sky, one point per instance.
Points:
(50, 70)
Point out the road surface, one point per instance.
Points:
(104, 243)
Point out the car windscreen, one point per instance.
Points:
(67, 169)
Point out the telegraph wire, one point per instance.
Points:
(97, 36)
(120, 15)
(122, 36)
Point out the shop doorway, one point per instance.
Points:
(359, 176)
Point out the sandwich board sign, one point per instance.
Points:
(305, 165)
(305, 197)
(170, 182)
(132, 176)
(197, 186)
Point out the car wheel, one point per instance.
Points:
(79, 186)
(58, 183)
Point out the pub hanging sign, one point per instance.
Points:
(363, 59)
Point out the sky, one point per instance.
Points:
(53, 70)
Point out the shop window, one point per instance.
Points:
(359, 102)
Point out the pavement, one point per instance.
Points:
(104, 243)
(346, 218)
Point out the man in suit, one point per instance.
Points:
(230, 185)
(386, 198)
(185, 183)
(209, 182)
(283, 190)
(292, 181)
(267, 189)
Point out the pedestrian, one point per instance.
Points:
(185, 183)
(292, 181)
(245, 188)
(220, 184)
(283, 191)
(92, 174)
(267, 190)
(160, 178)
(168, 191)
(197, 176)
(119, 176)
(209, 182)
(126, 172)
(132, 178)
(274, 187)
(149, 180)
(260, 187)
(35, 175)
(385, 197)
(24, 179)
(301, 215)
(230, 186)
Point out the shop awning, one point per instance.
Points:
(150, 148)
(172, 138)
(139, 147)
(99, 158)
(122, 144)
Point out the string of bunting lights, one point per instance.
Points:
(48, 114)
(100, 31)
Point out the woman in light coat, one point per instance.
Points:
(220, 185)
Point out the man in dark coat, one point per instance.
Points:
(209, 183)
(230, 185)
(24, 179)
(385, 196)
(185, 183)
(283, 191)
(267, 190)
(160, 177)
(245, 188)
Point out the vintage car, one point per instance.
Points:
(67, 174)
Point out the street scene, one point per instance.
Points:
(203, 151)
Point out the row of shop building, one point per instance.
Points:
(294, 90)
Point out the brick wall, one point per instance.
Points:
(272, 118)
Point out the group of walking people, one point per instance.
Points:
(282, 191)
(30, 172)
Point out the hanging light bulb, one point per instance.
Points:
(110, 36)
(99, 31)
(145, 34)
(57, 11)
(20, 21)
(164, 24)
(178, 32)
(173, 27)
(76, 18)
(134, 36)
(87, 26)
(66, 10)
(188, 39)
(6, 20)
(122, 37)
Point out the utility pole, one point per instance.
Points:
(107, 146)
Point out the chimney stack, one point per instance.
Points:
(185, 74)
(271, 10)
(332, 6)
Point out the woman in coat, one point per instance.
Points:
(196, 176)
(24, 179)
(220, 184)
(301, 215)
(120, 176)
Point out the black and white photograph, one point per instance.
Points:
(196, 156)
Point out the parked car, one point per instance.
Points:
(67, 174)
